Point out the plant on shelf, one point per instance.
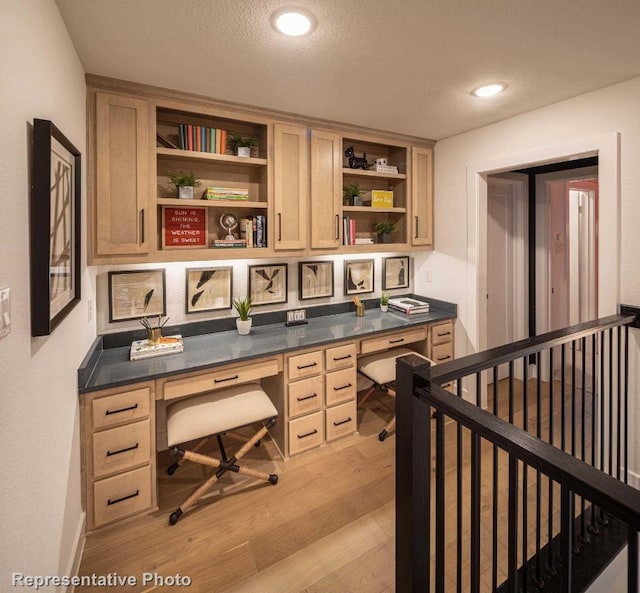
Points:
(185, 183)
(351, 195)
(241, 145)
(384, 301)
(243, 307)
(384, 230)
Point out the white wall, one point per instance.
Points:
(40, 503)
(594, 115)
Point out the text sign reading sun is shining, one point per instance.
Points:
(184, 227)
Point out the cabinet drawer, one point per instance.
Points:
(219, 379)
(120, 408)
(442, 352)
(122, 495)
(341, 420)
(393, 340)
(121, 448)
(441, 333)
(340, 357)
(341, 386)
(305, 365)
(305, 433)
(305, 396)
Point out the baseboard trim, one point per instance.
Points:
(634, 479)
(76, 557)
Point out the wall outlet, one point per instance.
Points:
(427, 277)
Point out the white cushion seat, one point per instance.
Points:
(217, 411)
(381, 366)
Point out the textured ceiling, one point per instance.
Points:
(404, 65)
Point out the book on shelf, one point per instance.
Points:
(228, 243)
(246, 230)
(386, 169)
(408, 305)
(363, 241)
(226, 193)
(167, 345)
(166, 141)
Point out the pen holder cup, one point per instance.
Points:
(360, 310)
(153, 335)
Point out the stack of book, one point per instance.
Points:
(167, 345)
(348, 231)
(226, 193)
(363, 241)
(228, 243)
(386, 169)
(408, 306)
(202, 139)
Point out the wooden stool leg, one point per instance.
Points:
(174, 466)
(392, 423)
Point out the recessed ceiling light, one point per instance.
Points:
(293, 22)
(489, 90)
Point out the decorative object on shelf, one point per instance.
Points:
(395, 272)
(208, 289)
(356, 162)
(381, 166)
(166, 345)
(268, 284)
(184, 227)
(154, 332)
(243, 308)
(185, 182)
(228, 222)
(358, 276)
(296, 317)
(136, 293)
(315, 279)
(381, 198)
(360, 308)
(384, 302)
(409, 306)
(54, 228)
(384, 230)
(351, 195)
(241, 146)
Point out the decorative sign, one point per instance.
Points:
(184, 227)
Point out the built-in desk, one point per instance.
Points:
(309, 372)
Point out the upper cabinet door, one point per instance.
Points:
(291, 186)
(326, 189)
(122, 175)
(422, 196)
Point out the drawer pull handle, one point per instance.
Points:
(226, 379)
(308, 434)
(307, 366)
(117, 500)
(396, 341)
(301, 399)
(440, 335)
(342, 387)
(109, 412)
(110, 453)
(444, 357)
(342, 421)
(341, 358)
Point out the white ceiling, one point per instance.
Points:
(401, 65)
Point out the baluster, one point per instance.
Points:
(550, 565)
(494, 570)
(626, 404)
(632, 562)
(619, 406)
(440, 503)
(584, 538)
(603, 516)
(566, 536)
(512, 535)
(475, 498)
(610, 402)
(593, 528)
(459, 502)
(511, 391)
(525, 473)
(538, 576)
(563, 387)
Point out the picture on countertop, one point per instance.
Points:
(395, 272)
(358, 276)
(315, 279)
(268, 284)
(208, 289)
(136, 293)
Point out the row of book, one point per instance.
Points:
(226, 193)
(349, 234)
(202, 139)
(408, 306)
(253, 229)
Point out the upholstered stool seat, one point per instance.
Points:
(212, 414)
(380, 369)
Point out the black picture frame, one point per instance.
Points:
(134, 294)
(208, 289)
(396, 272)
(315, 279)
(268, 284)
(359, 276)
(55, 229)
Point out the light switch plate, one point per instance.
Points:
(5, 311)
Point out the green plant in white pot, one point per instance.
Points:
(185, 183)
(243, 322)
(241, 145)
(384, 302)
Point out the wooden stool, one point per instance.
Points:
(380, 368)
(213, 414)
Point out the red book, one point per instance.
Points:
(189, 137)
(352, 231)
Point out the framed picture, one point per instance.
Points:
(136, 293)
(268, 284)
(358, 276)
(55, 228)
(208, 289)
(395, 272)
(315, 279)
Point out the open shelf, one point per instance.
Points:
(375, 174)
(191, 155)
(213, 203)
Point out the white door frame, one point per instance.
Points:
(607, 148)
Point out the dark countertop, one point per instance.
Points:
(103, 368)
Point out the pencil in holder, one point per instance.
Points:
(360, 310)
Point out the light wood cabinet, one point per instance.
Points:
(121, 216)
(422, 197)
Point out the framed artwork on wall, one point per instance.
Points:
(358, 276)
(268, 284)
(208, 289)
(395, 272)
(136, 293)
(54, 215)
(315, 279)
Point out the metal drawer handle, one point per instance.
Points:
(117, 500)
(110, 453)
(309, 434)
(307, 366)
(396, 341)
(301, 399)
(109, 412)
(342, 387)
(416, 228)
(341, 357)
(224, 380)
(337, 227)
(443, 357)
(444, 334)
(342, 421)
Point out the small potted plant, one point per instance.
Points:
(240, 145)
(384, 230)
(185, 182)
(384, 302)
(243, 323)
(352, 195)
